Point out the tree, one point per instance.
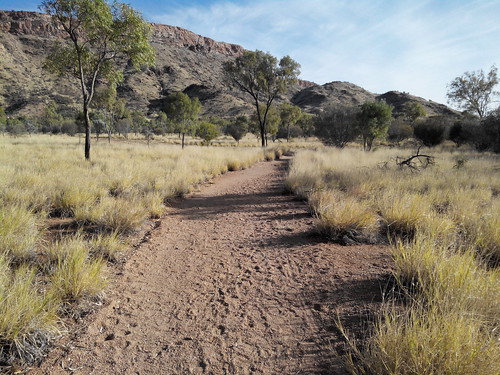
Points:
(69, 127)
(183, 112)
(160, 124)
(106, 102)
(261, 76)
(15, 127)
(100, 35)
(490, 126)
(474, 91)
(306, 124)
(399, 130)
(413, 111)
(238, 128)
(465, 131)
(289, 114)
(338, 125)
(123, 126)
(272, 122)
(50, 121)
(431, 132)
(99, 122)
(207, 131)
(375, 118)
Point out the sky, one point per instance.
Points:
(415, 46)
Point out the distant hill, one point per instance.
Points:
(185, 62)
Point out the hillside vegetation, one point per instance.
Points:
(184, 62)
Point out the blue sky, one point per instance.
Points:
(417, 46)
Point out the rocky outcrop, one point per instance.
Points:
(316, 98)
(398, 99)
(179, 37)
(32, 23)
(27, 23)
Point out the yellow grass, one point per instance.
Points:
(124, 184)
(27, 316)
(445, 222)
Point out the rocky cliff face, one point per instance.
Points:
(32, 23)
(185, 62)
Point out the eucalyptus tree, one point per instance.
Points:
(374, 121)
(183, 112)
(99, 37)
(289, 114)
(263, 77)
(474, 91)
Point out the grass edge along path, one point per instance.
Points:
(444, 223)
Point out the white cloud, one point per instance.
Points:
(415, 46)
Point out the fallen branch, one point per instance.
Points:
(416, 162)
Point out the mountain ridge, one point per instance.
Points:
(185, 61)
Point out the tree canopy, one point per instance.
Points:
(183, 112)
(99, 36)
(474, 91)
(413, 111)
(238, 128)
(289, 114)
(374, 120)
(261, 76)
(338, 125)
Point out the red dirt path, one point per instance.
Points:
(233, 281)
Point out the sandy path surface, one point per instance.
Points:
(233, 281)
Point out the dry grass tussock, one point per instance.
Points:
(444, 222)
(105, 199)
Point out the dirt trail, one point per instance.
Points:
(234, 281)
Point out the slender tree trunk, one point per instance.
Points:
(263, 135)
(87, 130)
(183, 134)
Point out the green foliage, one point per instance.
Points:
(465, 131)
(99, 36)
(338, 125)
(306, 124)
(111, 108)
(69, 127)
(375, 118)
(238, 128)
(15, 127)
(289, 115)
(272, 121)
(183, 112)
(413, 111)
(207, 131)
(431, 132)
(50, 120)
(491, 129)
(260, 75)
(160, 125)
(474, 91)
(399, 130)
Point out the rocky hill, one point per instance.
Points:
(185, 62)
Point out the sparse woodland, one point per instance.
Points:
(376, 173)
